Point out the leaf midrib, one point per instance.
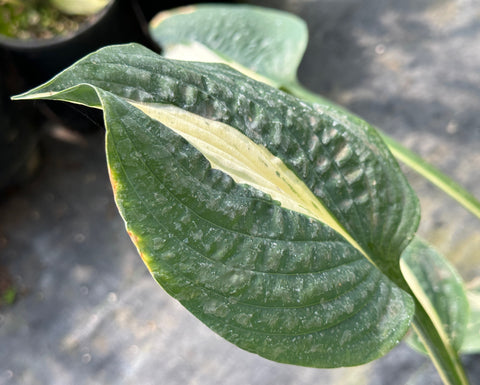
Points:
(222, 227)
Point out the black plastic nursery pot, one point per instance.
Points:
(37, 60)
(27, 63)
(121, 21)
(32, 62)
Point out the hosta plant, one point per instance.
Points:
(281, 221)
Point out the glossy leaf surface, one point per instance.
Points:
(191, 147)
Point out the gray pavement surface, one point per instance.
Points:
(88, 312)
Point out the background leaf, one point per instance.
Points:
(271, 280)
(268, 42)
(437, 282)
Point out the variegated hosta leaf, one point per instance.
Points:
(440, 289)
(278, 224)
(266, 44)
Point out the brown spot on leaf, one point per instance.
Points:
(113, 182)
(133, 237)
(136, 240)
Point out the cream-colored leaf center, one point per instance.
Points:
(246, 162)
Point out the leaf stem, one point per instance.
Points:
(442, 354)
(439, 179)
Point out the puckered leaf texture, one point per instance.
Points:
(322, 291)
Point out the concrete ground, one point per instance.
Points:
(87, 311)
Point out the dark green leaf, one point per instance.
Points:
(271, 277)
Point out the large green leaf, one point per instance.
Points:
(267, 45)
(277, 223)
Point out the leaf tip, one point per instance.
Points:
(29, 95)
